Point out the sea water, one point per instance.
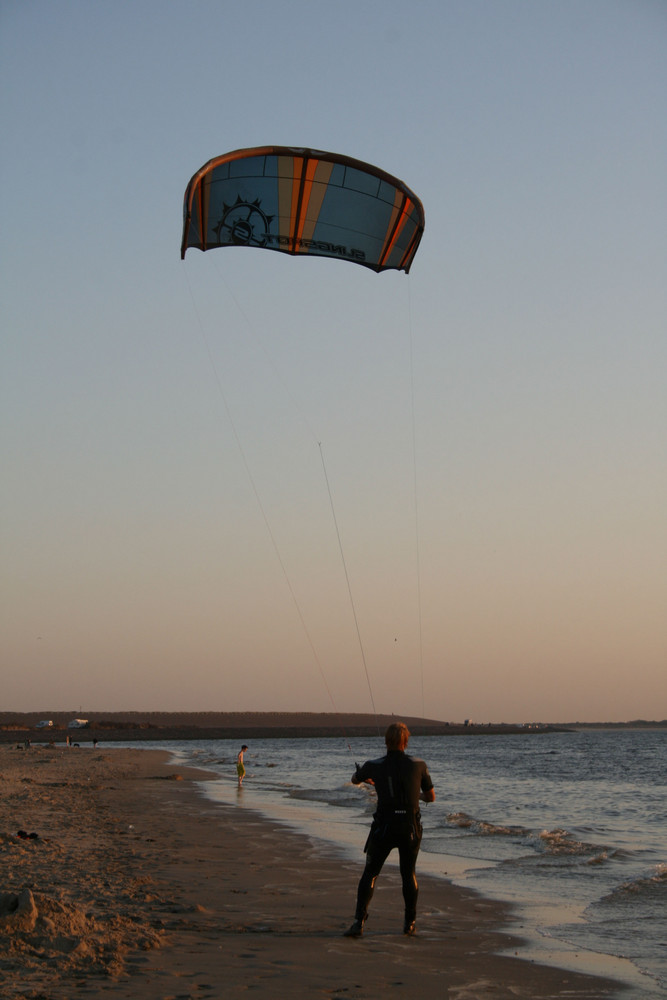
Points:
(570, 828)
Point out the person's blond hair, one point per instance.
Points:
(397, 736)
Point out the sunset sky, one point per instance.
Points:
(185, 442)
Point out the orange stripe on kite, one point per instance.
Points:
(318, 173)
(399, 224)
(297, 182)
(411, 250)
(398, 197)
(311, 167)
(204, 204)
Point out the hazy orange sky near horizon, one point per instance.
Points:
(246, 482)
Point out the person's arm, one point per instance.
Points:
(360, 775)
(427, 792)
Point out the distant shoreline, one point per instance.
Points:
(131, 735)
(117, 727)
(162, 726)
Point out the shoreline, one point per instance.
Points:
(184, 726)
(144, 887)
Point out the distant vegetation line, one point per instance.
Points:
(215, 720)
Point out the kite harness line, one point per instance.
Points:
(415, 485)
(347, 580)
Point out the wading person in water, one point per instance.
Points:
(400, 782)
(240, 767)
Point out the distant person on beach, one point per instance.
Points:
(240, 766)
(400, 782)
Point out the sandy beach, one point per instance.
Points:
(117, 878)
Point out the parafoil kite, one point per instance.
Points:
(303, 201)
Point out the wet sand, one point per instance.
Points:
(134, 885)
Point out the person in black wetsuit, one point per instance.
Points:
(400, 782)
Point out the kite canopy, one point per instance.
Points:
(303, 201)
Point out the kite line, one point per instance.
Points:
(415, 485)
(265, 518)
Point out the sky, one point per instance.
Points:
(249, 482)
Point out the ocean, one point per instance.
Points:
(570, 828)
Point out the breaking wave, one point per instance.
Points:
(483, 828)
(652, 885)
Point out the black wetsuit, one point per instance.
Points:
(398, 781)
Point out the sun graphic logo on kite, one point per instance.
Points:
(243, 224)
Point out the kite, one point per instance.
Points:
(303, 202)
